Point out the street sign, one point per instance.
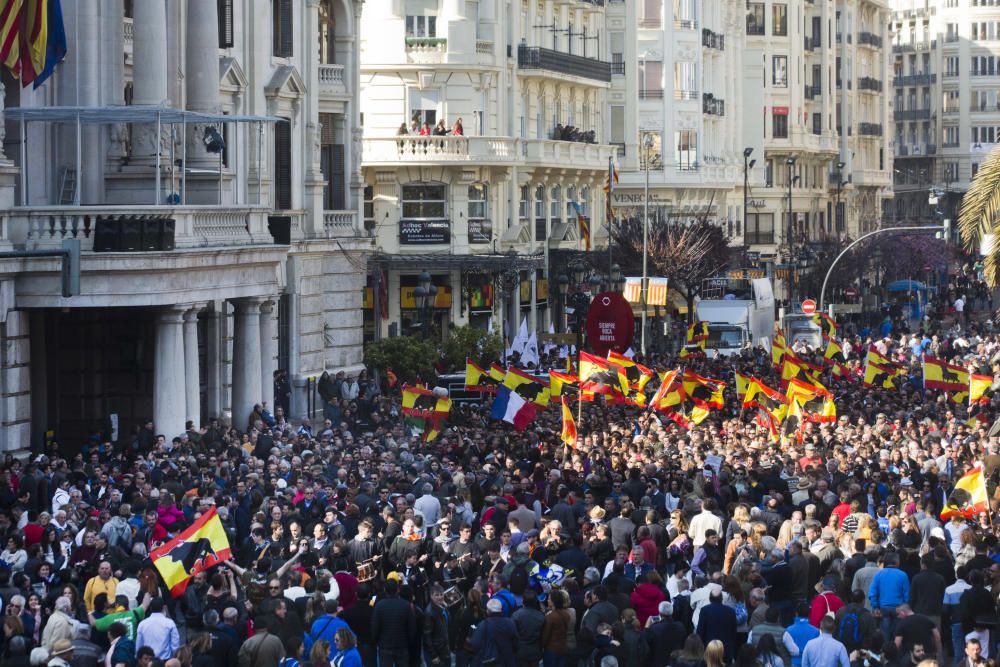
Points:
(610, 323)
(808, 306)
(851, 292)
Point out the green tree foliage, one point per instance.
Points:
(470, 342)
(409, 357)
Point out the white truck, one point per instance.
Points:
(743, 313)
(799, 326)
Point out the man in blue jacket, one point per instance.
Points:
(717, 621)
(324, 627)
(495, 638)
(890, 588)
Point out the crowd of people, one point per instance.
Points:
(356, 543)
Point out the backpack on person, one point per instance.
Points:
(518, 580)
(849, 630)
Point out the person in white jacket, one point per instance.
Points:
(349, 389)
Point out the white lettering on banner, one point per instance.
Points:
(607, 334)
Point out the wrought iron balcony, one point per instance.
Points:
(870, 84)
(713, 40)
(712, 106)
(870, 129)
(869, 39)
(536, 57)
(914, 80)
(911, 114)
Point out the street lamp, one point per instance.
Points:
(840, 183)
(425, 294)
(616, 279)
(578, 299)
(647, 145)
(747, 166)
(791, 231)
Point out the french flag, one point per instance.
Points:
(511, 408)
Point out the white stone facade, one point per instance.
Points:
(511, 72)
(267, 265)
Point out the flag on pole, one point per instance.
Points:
(568, 425)
(558, 380)
(969, 497)
(980, 389)
(55, 45)
(200, 547)
(476, 379)
(10, 35)
(530, 353)
(520, 340)
(939, 374)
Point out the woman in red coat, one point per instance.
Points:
(647, 596)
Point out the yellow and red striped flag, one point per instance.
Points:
(568, 425)
(200, 547)
(969, 497)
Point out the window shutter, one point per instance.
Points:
(283, 165)
(337, 177)
(225, 24)
(286, 28)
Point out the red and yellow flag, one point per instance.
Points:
(200, 547)
(558, 380)
(568, 425)
(980, 389)
(968, 498)
(704, 392)
(939, 374)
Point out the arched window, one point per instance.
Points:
(327, 33)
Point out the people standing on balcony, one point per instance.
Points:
(457, 130)
(440, 130)
(415, 125)
(425, 130)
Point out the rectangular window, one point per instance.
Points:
(423, 106)
(779, 124)
(653, 156)
(817, 123)
(685, 14)
(281, 28)
(756, 18)
(283, 165)
(759, 229)
(420, 26)
(685, 81)
(618, 124)
(769, 174)
(951, 135)
(480, 226)
(779, 71)
(369, 210)
(423, 201)
(686, 152)
(523, 204)
(225, 24)
(616, 52)
(650, 80)
(779, 26)
(652, 14)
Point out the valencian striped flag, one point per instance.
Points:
(200, 547)
(969, 497)
(32, 38)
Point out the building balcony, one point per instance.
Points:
(915, 45)
(340, 224)
(712, 106)
(649, 94)
(869, 39)
(567, 154)
(876, 177)
(989, 72)
(435, 150)
(141, 229)
(911, 114)
(985, 108)
(914, 80)
(870, 84)
(618, 64)
(915, 150)
(128, 31)
(426, 50)
(538, 58)
(713, 40)
(870, 129)
(331, 81)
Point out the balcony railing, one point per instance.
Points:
(950, 38)
(645, 94)
(809, 92)
(911, 114)
(535, 57)
(580, 155)
(869, 39)
(438, 149)
(685, 94)
(985, 108)
(754, 28)
(914, 150)
(193, 226)
(426, 50)
(712, 106)
(870, 129)
(916, 45)
(914, 80)
(988, 72)
(713, 40)
(331, 79)
(340, 223)
(618, 64)
(686, 24)
(651, 23)
(870, 84)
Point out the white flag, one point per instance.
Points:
(521, 339)
(548, 346)
(530, 353)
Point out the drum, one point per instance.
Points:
(452, 596)
(366, 570)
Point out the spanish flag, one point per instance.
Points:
(704, 392)
(568, 425)
(692, 350)
(939, 374)
(770, 421)
(778, 349)
(761, 396)
(527, 387)
(742, 385)
(811, 403)
(636, 375)
(597, 376)
(497, 372)
(841, 371)
(424, 411)
(834, 352)
(476, 379)
(200, 547)
(877, 357)
(968, 498)
(980, 389)
(879, 376)
(558, 380)
(697, 332)
(670, 395)
(826, 324)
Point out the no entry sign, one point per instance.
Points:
(808, 306)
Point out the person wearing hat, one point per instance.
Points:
(495, 638)
(61, 653)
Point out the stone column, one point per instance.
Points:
(192, 370)
(246, 359)
(268, 352)
(168, 373)
(202, 76)
(150, 68)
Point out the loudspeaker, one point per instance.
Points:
(130, 236)
(107, 233)
(168, 234)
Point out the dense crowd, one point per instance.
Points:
(356, 543)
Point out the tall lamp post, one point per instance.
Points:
(647, 146)
(791, 231)
(578, 299)
(425, 294)
(747, 166)
(840, 184)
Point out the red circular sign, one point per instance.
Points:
(610, 323)
(808, 306)
(851, 293)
